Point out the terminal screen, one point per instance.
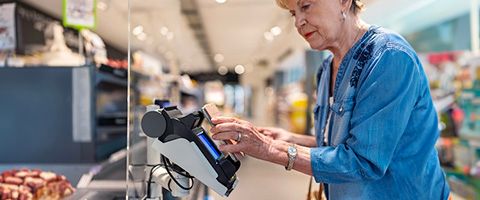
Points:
(210, 146)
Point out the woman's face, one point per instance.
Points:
(318, 21)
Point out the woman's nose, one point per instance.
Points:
(299, 21)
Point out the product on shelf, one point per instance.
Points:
(470, 103)
(58, 53)
(117, 64)
(25, 184)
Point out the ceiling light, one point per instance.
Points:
(268, 36)
(164, 30)
(222, 70)
(239, 69)
(137, 30)
(218, 58)
(102, 6)
(221, 1)
(276, 30)
(142, 36)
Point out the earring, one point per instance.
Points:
(344, 16)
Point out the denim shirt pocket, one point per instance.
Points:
(342, 107)
(342, 112)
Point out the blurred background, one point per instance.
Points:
(68, 67)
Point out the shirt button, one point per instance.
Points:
(341, 109)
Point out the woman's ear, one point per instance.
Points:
(346, 5)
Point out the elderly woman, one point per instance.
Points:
(375, 122)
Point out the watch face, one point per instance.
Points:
(292, 150)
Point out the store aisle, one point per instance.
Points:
(261, 180)
(266, 181)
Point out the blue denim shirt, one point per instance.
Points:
(383, 125)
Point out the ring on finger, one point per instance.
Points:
(239, 137)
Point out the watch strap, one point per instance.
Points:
(291, 158)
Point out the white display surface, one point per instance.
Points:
(197, 166)
(7, 26)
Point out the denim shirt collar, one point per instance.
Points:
(346, 60)
(322, 108)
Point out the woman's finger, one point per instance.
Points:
(239, 155)
(219, 120)
(268, 128)
(223, 127)
(266, 133)
(229, 135)
(261, 128)
(229, 127)
(230, 148)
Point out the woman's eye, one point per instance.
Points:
(305, 7)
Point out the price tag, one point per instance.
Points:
(7, 26)
(79, 14)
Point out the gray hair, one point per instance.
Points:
(357, 5)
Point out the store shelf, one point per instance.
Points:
(471, 137)
(111, 120)
(110, 78)
(140, 76)
(118, 76)
(103, 129)
(119, 72)
(112, 114)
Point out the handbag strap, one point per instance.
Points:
(309, 195)
(320, 192)
(318, 196)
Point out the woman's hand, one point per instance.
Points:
(286, 136)
(252, 142)
(276, 133)
(248, 137)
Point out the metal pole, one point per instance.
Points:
(80, 43)
(474, 23)
(127, 194)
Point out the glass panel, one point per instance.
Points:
(172, 65)
(153, 75)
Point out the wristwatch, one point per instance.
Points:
(292, 155)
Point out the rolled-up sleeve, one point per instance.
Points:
(386, 96)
